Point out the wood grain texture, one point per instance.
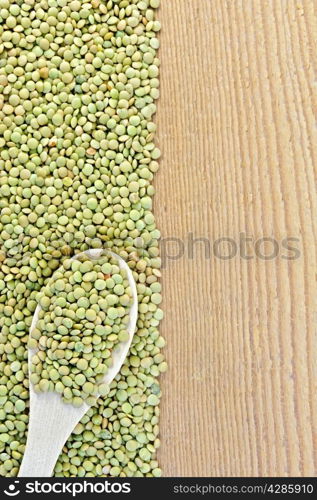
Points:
(237, 127)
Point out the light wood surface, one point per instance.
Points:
(237, 127)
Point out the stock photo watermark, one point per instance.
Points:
(168, 250)
(227, 248)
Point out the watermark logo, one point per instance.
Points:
(13, 491)
(226, 248)
(170, 249)
(69, 487)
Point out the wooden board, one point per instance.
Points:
(237, 127)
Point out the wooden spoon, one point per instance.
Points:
(51, 420)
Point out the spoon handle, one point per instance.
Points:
(51, 423)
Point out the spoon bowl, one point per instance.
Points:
(51, 420)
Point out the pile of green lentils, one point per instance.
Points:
(78, 85)
(83, 317)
